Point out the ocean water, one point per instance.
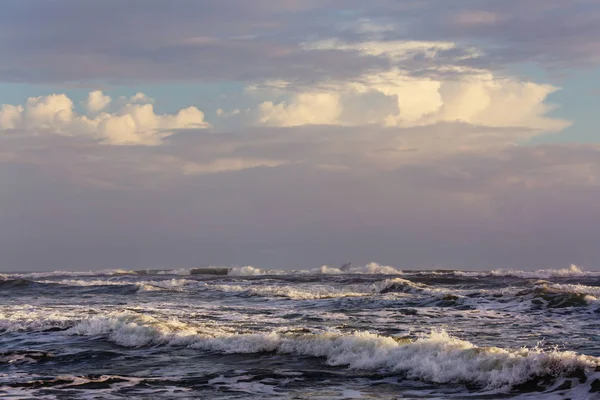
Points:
(368, 333)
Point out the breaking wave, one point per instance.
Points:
(437, 357)
(559, 296)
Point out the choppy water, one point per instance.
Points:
(374, 333)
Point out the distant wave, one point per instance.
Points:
(369, 269)
(572, 271)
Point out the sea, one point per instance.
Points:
(368, 332)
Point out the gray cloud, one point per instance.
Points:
(238, 40)
(552, 33)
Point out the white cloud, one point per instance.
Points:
(10, 116)
(97, 101)
(458, 93)
(134, 123)
(305, 109)
(141, 98)
(396, 50)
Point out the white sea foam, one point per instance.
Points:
(437, 357)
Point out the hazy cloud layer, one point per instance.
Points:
(297, 197)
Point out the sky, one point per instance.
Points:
(292, 134)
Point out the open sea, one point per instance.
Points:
(371, 332)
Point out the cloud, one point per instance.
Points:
(476, 96)
(305, 109)
(97, 101)
(133, 123)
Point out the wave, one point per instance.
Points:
(92, 286)
(253, 271)
(315, 292)
(441, 297)
(437, 357)
(559, 296)
(151, 285)
(572, 272)
(21, 284)
(369, 269)
(294, 292)
(55, 274)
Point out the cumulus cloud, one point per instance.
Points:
(472, 96)
(97, 101)
(305, 109)
(133, 123)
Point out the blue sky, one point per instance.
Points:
(298, 133)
